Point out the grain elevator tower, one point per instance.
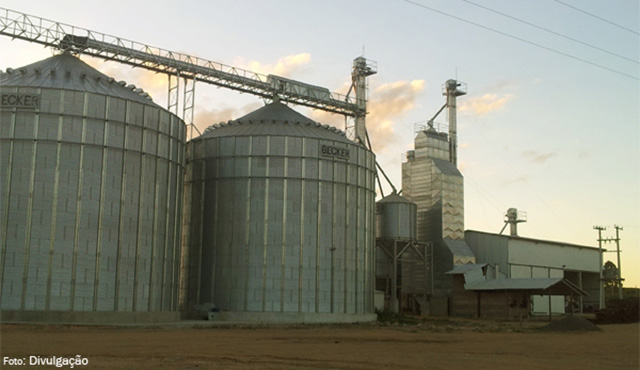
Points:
(431, 179)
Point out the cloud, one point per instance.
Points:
(204, 118)
(389, 102)
(285, 66)
(484, 105)
(538, 157)
(155, 84)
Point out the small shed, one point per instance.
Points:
(477, 294)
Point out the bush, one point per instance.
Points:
(619, 312)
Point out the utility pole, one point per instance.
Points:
(600, 240)
(617, 239)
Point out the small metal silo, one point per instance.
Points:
(402, 262)
(91, 195)
(396, 218)
(281, 220)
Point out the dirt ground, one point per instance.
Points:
(427, 345)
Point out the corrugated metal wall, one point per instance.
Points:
(275, 226)
(90, 205)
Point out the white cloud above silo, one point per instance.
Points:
(284, 66)
(485, 104)
(389, 103)
(204, 118)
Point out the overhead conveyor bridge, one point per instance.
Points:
(190, 68)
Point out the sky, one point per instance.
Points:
(549, 125)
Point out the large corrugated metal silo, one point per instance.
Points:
(281, 220)
(92, 175)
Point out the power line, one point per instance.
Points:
(550, 31)
(521, 39)
(597, 17)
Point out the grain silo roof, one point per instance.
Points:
(394, 198)
(446, 167)
(67, 72)
(276, 119)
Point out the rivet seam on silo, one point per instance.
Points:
(29, 218)
(7, 196)
(54, 209)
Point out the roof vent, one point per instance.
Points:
(122, 83)
(10, 70)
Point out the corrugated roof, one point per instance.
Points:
(446, 167)
(466, 268)
(67, 72)
(275, 119)
(394, 198)
(458, 247)
(517, 237)
(553, 286)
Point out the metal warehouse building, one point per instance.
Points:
(516, 257)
